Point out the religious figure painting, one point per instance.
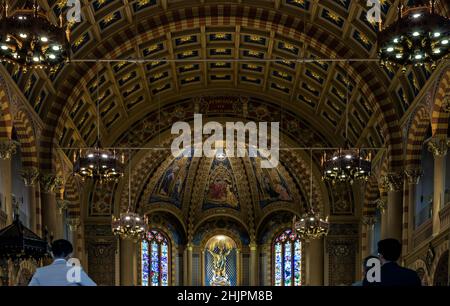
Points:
(170, 185)
(272, 186)
(221, 188)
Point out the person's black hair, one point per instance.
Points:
(61, 248)
(366, 267)
(390, 249)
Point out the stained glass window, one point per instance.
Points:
(287, 259)
(155, 259)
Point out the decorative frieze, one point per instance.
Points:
(413, 175)
(8, 148)
(29, 176)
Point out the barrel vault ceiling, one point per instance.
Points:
(127, 92)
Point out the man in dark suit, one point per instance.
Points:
(392, 274)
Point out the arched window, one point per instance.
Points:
(155, 255)
(287, 259)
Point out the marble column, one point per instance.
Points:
(189, 264)
(253, 264)
(7, 150)
(74, 226)
(315, 262)
(369, 223)
(30, 177)
(127, 262)
(382, 206)
(438, 146)
(412, 178)
(49, 183)
(394, 184)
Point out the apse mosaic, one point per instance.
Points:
(155, 260)
(272, 186)
(221, 190)
(170, 186)
(287, 259)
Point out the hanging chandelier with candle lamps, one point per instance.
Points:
(100, 164)
(129, 225)
(29, 39)
(346, 165)
(311, 225)
(419, 36)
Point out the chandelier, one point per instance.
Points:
(311, 225)
(419, 36)
(129, 225)
(346, 165)
(99, 164)
(29, 39)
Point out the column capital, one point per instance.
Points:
(392, 181)
(73, 223)
(29, 176)
(369, 220)
(8, 148)
(381, 204)
(413, 175)
(50, 182)
(438, 146)
(62, 205)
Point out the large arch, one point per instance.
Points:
(238, 14)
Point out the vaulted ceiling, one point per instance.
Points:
(251, 49)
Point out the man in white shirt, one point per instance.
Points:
(61, 272)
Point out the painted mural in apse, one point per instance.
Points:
(171, 184)
(272, 186)
(221, 189)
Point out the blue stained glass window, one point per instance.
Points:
(155, 259)
(287, 259)
(278, 264)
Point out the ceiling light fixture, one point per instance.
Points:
(28, 33)
(418, 28)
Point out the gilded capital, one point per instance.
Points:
(29, 176)
(369, 220)
(50, 182)
(438, 146)
(392, 181)
(413, 175)
(8, 148)
(62, 205)
(381, 204)
(74, 224)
